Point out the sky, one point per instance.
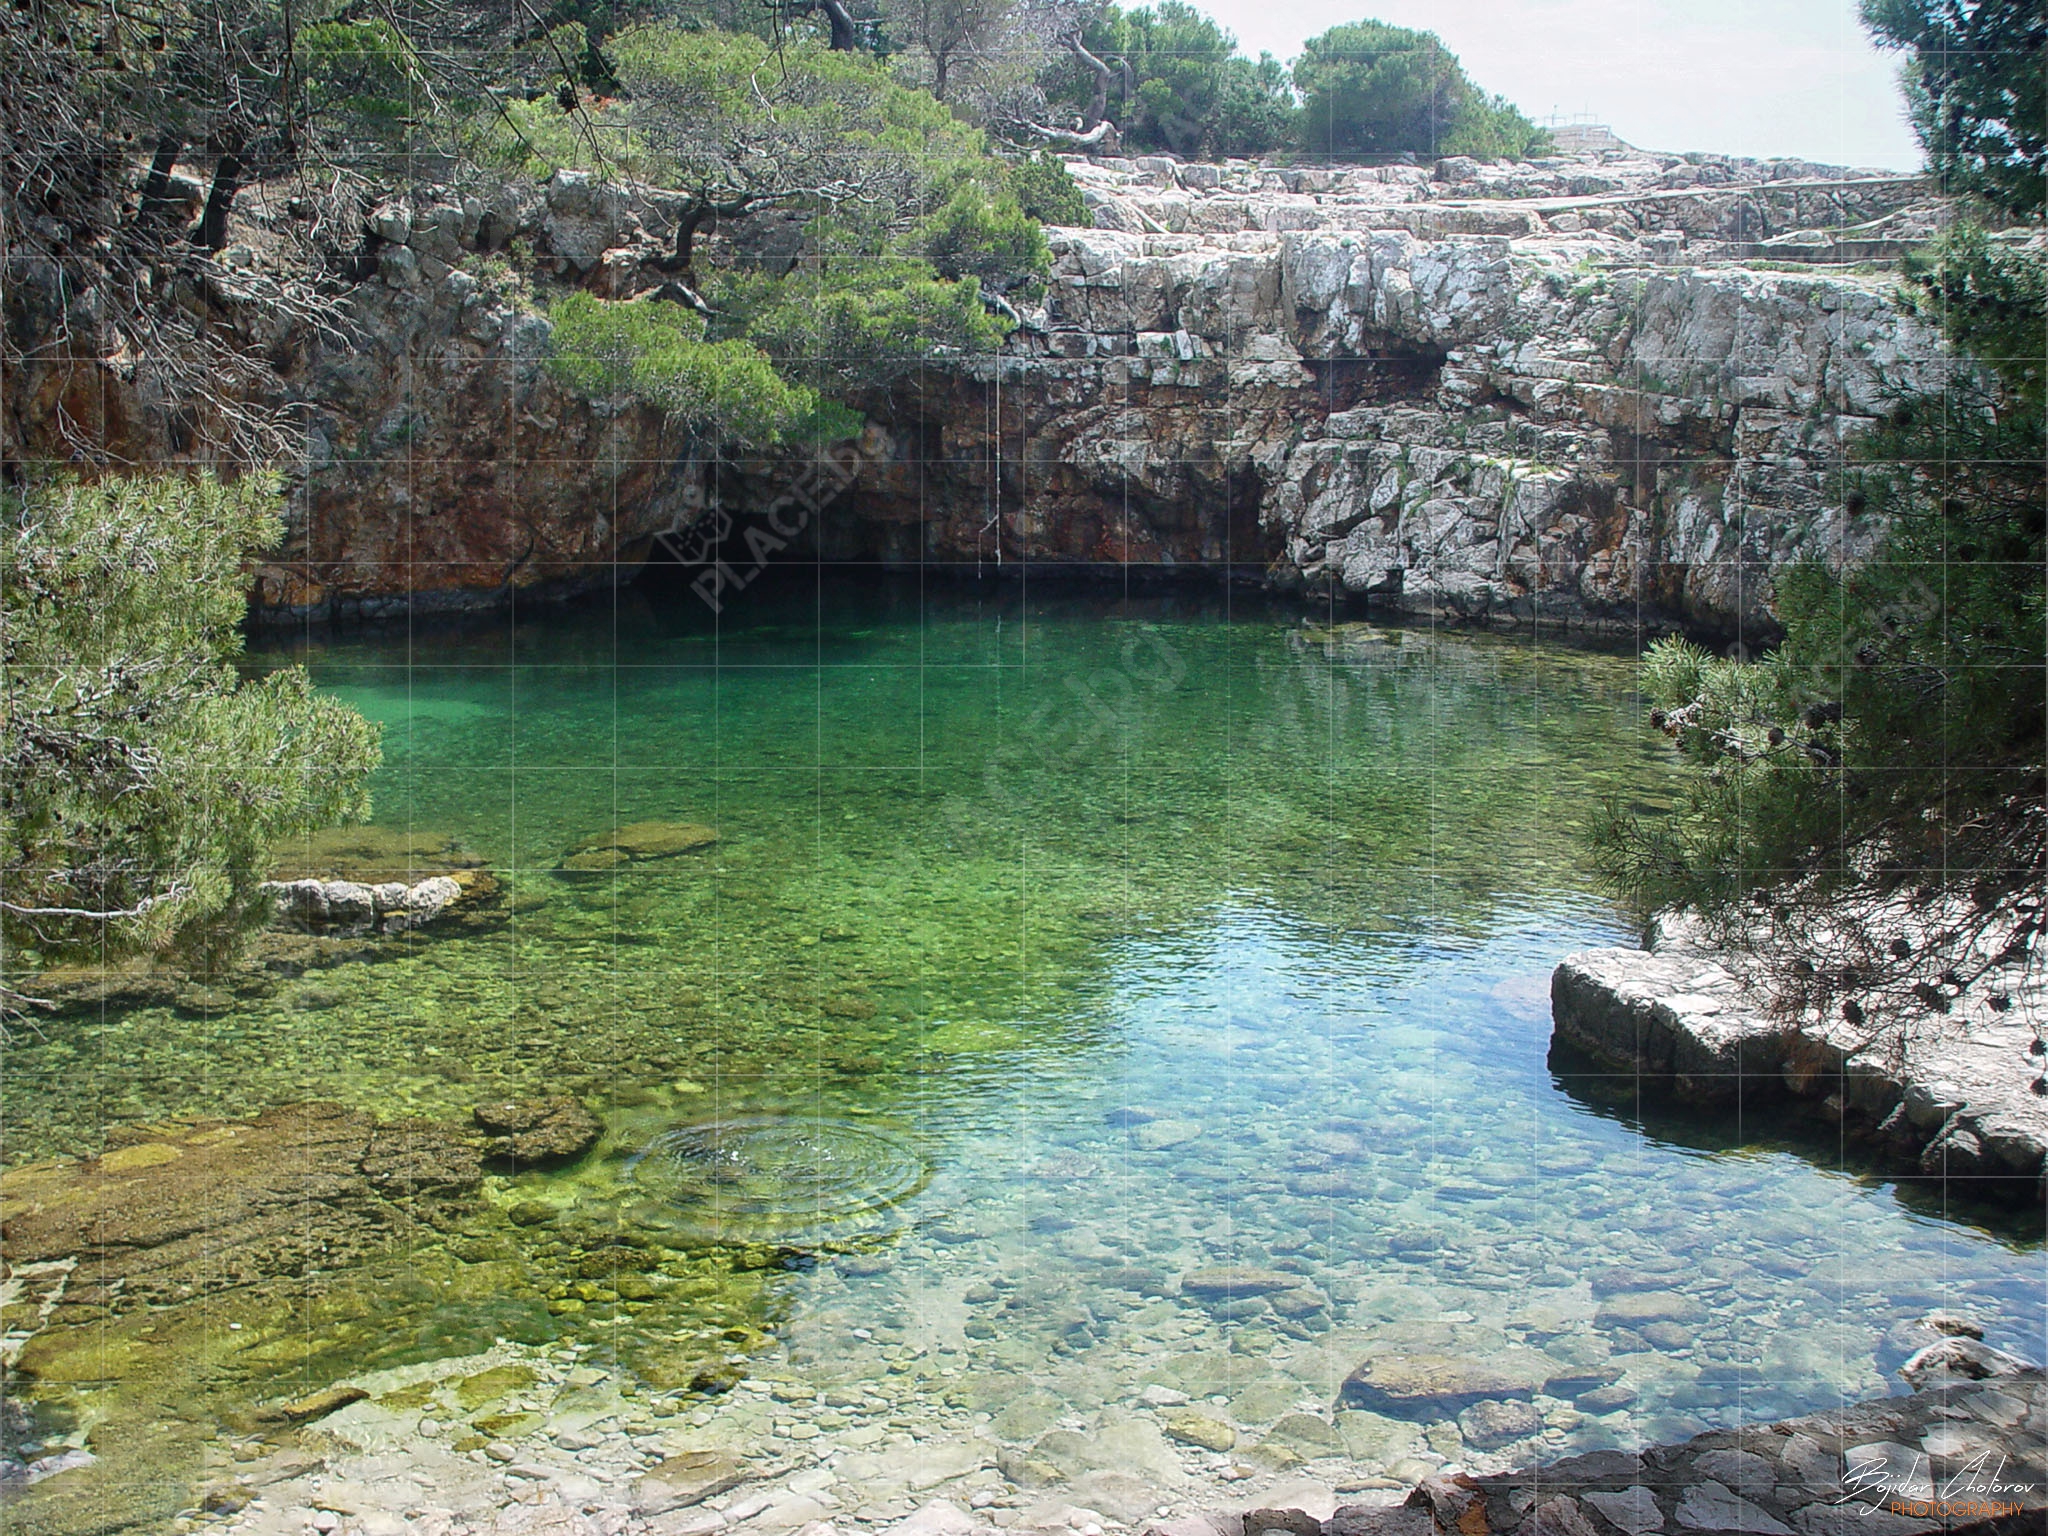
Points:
(1750, 77)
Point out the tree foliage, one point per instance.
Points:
(1369, 87)
(951, 37)
(1864, 811)
(1976, 91)
(111, 111)
(847, 327)
(142, 781)
(657, 353)
(902, 233)
(1176, 82)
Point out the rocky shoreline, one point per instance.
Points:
(137, 1270)
(1956, 1095)
(571, 1450)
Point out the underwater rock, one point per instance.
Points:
(1495, 1421)
(1232, 1280)
(1959, 1360)
(371, 855)
(684, 1479)
(532, 1132)
(636, 842)
(1306, 1434)
(1605, 1399)
(313, 1406)
(1427, 1385)
(173, 1211)
(1634, 1309)
(1191, 1428)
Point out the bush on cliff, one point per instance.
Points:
(142, 781)
(1045, 190)
(888, 234)
(1891, 757)
(657, 354)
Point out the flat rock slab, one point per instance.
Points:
(534, 1132)
(1955, 1099)
(1237, 1280)
(685, 1479)
(176, 1210)
(371, 855)
(637, 842)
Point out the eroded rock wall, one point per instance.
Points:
(1603, 390)
(1567, 424)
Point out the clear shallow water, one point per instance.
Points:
(1050, 949)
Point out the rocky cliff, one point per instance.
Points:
(1579, 390)
(1599, 390)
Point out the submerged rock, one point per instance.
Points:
(371, 855)
(1225, 1282)
(685, 1479)
(1495, 1421)
(1198, 1429)
(532, 1132)
(1634, 1309)
(311, 1407)
(636, 842)
(173, 1211)
(1430, 1385)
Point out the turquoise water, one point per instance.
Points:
(1052, 948)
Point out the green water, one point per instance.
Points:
(1116, 939)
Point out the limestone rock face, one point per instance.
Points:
(1946, 1097)
(444, 465)
(1575, 400)
(1600, 389)
(445, 462)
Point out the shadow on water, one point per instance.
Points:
(1773, 1123)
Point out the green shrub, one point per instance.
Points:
(991, 239)
(143, 782)
(656, 353)
(1046, 192)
